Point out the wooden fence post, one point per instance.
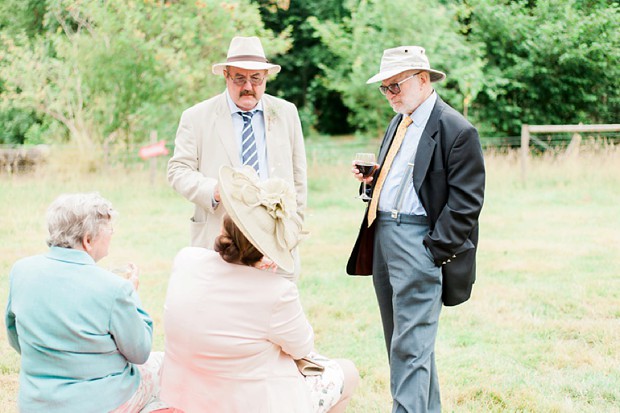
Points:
(525, 151)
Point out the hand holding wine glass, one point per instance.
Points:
(128, 271)
(365, 163)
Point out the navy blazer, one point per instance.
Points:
(449, 180)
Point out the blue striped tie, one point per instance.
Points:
(249, 154)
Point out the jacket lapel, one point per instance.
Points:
(426, 146)
(225, 131)
(272, 127)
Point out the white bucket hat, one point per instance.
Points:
(264, 211)
(403, 58)
(246, 53)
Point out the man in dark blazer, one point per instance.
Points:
(419, 234)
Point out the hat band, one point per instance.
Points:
(251, 58)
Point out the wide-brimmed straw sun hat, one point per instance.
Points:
(246, 53)
(403, 58)
(264, 211)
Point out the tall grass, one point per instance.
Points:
(541, 332)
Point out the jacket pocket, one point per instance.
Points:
(459, 274)
(197, 231)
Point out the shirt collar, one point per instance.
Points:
(70, 255)
(235, 109)
(423, 112)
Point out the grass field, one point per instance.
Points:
(541, 332)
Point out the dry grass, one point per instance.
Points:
(540, 333)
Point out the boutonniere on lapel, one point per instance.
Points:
(271, 115)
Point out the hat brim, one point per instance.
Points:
(246, 220)
(271, 69)
(436, 75)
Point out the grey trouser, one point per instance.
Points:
(408, 288)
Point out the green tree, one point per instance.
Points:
(358, 42)
(301, 81)
(549, 62)
(17, 125)
(22, 16)
(111, 71)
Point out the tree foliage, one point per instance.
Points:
(549, 62)
(358, 42)
(113, 70)
(301, 79)
(98, 71)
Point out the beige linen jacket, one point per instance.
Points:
(205, 141)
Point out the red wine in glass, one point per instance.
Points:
(365, 168)
(365, 163)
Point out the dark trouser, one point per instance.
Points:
(408, 288)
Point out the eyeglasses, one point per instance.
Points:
(255, 80)
(395, 87)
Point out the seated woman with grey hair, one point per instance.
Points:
(84, 338)
(235, 328)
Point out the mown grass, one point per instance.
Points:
(541, 332)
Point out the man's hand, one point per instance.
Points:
(216, 193)
(358, 175)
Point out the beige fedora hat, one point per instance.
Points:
(246, 53)
(403, 58)
(264, 211)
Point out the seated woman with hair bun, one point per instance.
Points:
(235, 328)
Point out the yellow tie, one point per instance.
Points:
(385, 168)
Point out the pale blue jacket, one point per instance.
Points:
(79, 329)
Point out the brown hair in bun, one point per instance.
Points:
(234, 247)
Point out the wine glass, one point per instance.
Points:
(365, 163)
(124, 270)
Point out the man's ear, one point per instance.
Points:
(425, 77)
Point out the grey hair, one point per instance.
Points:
(72, 216)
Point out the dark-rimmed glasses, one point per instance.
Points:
(255, 80)
(395, 87)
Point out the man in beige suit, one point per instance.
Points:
(243, 125)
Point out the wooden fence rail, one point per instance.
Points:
(527, 130)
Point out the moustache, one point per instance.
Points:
(246, 93)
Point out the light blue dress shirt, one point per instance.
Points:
(389, 193)
(258, 124)
(79, 329)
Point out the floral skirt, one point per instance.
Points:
(325, 389)
(145, 399)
